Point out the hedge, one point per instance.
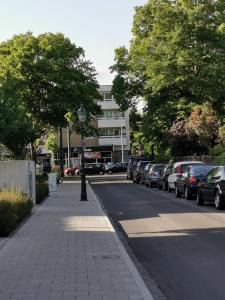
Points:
(15, 206)
(41, 191)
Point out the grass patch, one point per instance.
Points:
(15, 206)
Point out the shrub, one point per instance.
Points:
(221, 159)
(14, 207)
(41, 191)
(42, 178)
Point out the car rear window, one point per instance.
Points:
(201, 169)
(158, 168)
(143, 164)
(184, 166)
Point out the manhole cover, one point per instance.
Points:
(106, 256)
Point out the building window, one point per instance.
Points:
(107, 96)
(112, 132)
(112, 114)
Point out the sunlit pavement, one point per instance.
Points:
(68, 249)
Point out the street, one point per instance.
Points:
(180, 244)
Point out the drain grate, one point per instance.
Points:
(106, 256)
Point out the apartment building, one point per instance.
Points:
(113, 142)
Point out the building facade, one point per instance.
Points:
(113, 142)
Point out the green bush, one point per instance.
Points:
(220, 160)
(14, 207)
(42, 178)
(41, 191)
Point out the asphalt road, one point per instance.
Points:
(180, 244)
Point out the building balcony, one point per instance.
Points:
(108, 104)
(112, 140)
(111, 123)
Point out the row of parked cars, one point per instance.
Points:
(193, 179)
(97, 168)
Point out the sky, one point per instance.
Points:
(98, 26)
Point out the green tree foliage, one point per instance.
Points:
(203, 122)
(52, 74)
(177, 58)
(51, 142)
(42, 79)
(16, 127)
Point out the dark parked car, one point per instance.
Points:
(144, 173)
(178, 169)
(187, 183)
(117, 168)
(137, 172)
(163, 177)
(212, 188)
(132, 164)
(93, 168)
(153, 174)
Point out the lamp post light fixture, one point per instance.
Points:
(82, 118)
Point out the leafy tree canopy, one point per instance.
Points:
(52, 76)
(176, 60)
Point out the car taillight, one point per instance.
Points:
(192, 180)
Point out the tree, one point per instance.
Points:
(203, 122)
(42, 79)
(16, 127)
(176, 60)
(52, 75)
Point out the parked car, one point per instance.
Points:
(187, 183)
(93, 168)
(145, 172)
(70, 171)
(117, 168)
(163, 177)
(212, 188)
(137, 172)
(132, 164)
(153, 174)
(178, 169)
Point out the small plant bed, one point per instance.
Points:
(15, 206)
(42, 190)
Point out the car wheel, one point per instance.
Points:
(165, 187)
(150, 184)
(109, 172)
(159, 186)
(219, 202)
(177, 193)
(187, 194)
(200, 199)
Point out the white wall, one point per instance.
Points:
(19, 174)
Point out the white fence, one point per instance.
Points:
(19, 174)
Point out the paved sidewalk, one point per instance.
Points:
(68, 250)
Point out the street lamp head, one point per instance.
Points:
(81, 114)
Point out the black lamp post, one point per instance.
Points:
(82, 119)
